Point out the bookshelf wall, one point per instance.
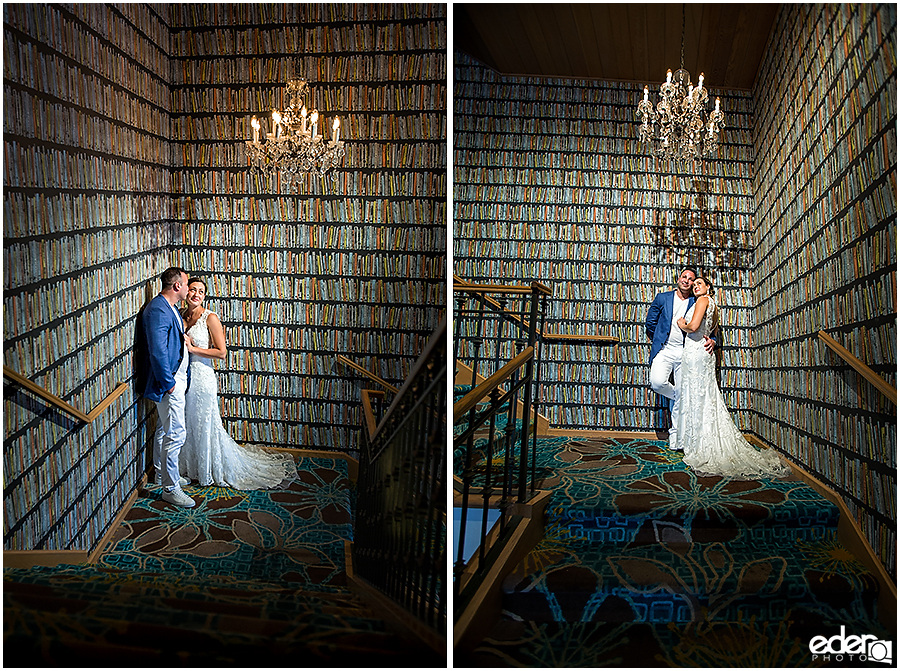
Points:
(352, 265)
(124, 155)
(551, 184)
(825, 186)
(87, 221)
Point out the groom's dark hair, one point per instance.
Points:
(171, 275)
(691, 268)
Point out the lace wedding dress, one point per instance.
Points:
(209, 454)
(712, 443)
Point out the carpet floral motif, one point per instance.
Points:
(294, 534)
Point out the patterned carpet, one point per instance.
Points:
(293, 535)
(645, 564)
(242, 579)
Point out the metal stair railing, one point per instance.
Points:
(400, 537)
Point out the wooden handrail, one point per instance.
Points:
(359, 369)
(371, 421)
(61, 404)
(503, 288)
(879, 382)
(470, 400)
(574, 339)
(463, 285)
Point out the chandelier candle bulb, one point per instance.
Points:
(293, 150)
(276, 119)
(335, 130)
(669, 77)
(700, 81)
(646, 93)
(717, 104)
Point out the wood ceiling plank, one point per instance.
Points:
(622, 41)
(550, 55)
(655, 28)
(560, 22)
(637, 31)
(583, 16)
(501, 28)
(672, 38)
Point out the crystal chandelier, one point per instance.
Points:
(296, 145)
(678, 128)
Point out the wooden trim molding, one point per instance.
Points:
(483, 609)
(368, 412)
(396, 616)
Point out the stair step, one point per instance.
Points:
(743, 643)
(237, 618)
(165, 617)
(74, 637)
(88, 583)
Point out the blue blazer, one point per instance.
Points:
(659, 320)
(158, 349)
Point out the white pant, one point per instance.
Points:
(667, 361)
(171, 433)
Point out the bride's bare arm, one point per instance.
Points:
(699, 310)
(218, 348)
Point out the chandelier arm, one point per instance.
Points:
(299, 143)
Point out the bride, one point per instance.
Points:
(712, 443)
(209, 455)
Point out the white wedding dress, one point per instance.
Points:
(209, 455)
(712, 443)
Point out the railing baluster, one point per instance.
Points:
(397, 541)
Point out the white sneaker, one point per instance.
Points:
(178, 498)
(182, 481)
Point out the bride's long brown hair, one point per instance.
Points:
(714, 323)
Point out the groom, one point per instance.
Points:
(162, 374)
(668, 342)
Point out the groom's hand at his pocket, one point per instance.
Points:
(709, 344)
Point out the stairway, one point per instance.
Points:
(645, 564)
(243, 579)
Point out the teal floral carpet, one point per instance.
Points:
(295, 534)
(644, 563)
(245, 578)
